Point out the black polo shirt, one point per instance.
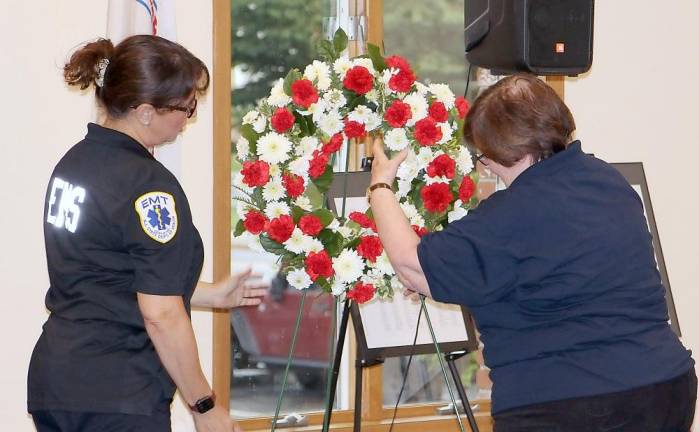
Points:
(559, 272)
(116, 222)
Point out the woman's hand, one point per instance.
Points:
(383, 169)
(240, 289)
(215, 420)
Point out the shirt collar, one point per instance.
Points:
(573, 150)
(113, 137)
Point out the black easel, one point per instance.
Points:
(451, 359)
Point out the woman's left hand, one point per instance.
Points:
(240, 289)
(383, 169)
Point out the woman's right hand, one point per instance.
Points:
(215, 420)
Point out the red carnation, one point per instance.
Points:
(334, 144)
(442, 166)
(318, 164)
(438, 112)
(280, 228)
(436, 197)
(255, 222)
(402, 81)
(319, 264)
(398, 114)
(359, 80)
(420, 231)
(255, 173)
(427, 133)
(310, 225)
(354, 129)
(303, 93)
(397, 62)
(363, 220)
(361, 293)
(282, 120)
(293, 184)
(466, 189)
(462, 106)
(369, 247)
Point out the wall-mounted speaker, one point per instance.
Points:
(545, 37)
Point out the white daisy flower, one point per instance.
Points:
(318, 72)
(371, 277)
(300, 167)
(316, 109)
(334, 225)
(384, 265)
(373, 121)
(242, 147)
(396, 139)
(238, 182)
(464, 162)
(418, 107)
(447, 132)
(273, 190)
(274, 170)
(417, 220)
(424, 157)
(372, 96)
(304, 203)
(307, 146)
(349, 266)
(273, 148)
(432, 180)
(240, 208)
(404, 187)
(255, 119)
(299, 279)
(253, 242)
(365, 62)
(443, 94)
(277, 97)
(250, 117)
(331, 123)
(458, 212)
(386, 76)
(409, 210)
(420, 88)
(338, 288)
(334, 99)
(275, 209)
(341, 66)
(311, 244)
(360, 114)
(409, 169)
(296, 241)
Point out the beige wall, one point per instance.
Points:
(637, 104)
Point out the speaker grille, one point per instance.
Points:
(559, 34)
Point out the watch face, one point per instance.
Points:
(204, 405)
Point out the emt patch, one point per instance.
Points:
(156, 211)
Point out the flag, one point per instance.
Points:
(156, 17)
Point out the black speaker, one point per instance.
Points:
(545, 37)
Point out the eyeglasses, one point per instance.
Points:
(188, 110)
(478, 157)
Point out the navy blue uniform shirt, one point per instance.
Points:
(560, 275)
(116, 223)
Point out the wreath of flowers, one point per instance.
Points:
(289, 145)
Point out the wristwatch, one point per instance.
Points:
(371, 188)
(204, 404)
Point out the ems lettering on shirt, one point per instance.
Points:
(158, 216)
(63, 210)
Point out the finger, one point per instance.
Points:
(378, 149)
(250, 301)
(261, 285)
(255, 292)
(399, 157)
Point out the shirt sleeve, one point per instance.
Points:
(472, 262)
(157, 239)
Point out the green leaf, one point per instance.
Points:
(324, 181)
(326, 51)
(376, 58)
(291, 77)
(325, 216)
(353, 244)
(301, 121)
(323, 284)
(271, 246)
(340, 40)
(247, 132)
(296, 213)
(332, 242)
(239, 228)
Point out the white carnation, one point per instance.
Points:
(319, 72)
(317, 110)
(307, 146)
(372, 96)
(242, 147)
(404, 187)
(421, 88)
(277, 97)
(409, 169)
(383, 264)
(275, 209)
(457, 213)
(304, 203)
(373, 121)
(311, 244)
(443, 94)
(418, 107)
(396, 139)
(331, 123)
(299, 279)
(345, 231)
(300, 167)
(334, 99)
(338, 288)
(409, 210)
(349, 266)
(273, 190)
(365, 62)
(447, 132)
(464, 161)
(341, 66)
(273, 148)
(424, 157)
(296, 241)
(432, 180)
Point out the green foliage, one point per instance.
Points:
(323, 182)
(376, 58)
(325, 216)
(332, 241)
(293, 75)
(239, 228)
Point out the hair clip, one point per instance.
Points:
(101, 69)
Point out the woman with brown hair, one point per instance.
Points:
(559, 272)
(124, 256)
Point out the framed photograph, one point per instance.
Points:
(634, 174)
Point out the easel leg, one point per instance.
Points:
(336, 366)
(358, 397)
(462, 392)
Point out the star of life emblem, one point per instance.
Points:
(158, 216)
